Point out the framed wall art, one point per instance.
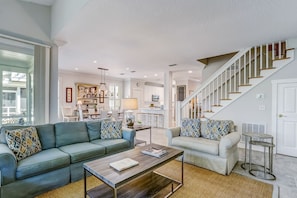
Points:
(68, 94)
(88, 94)
(86, 91)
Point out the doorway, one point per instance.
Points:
(284, 116)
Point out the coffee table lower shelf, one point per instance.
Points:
(145, 186)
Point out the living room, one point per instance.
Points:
(38, 24)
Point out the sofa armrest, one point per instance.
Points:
(228, 142)
(129, 134)
(171, 133)
(8, 164)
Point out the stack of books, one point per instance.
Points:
(156, 152)
(123, 164)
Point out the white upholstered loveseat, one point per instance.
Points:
(210, 144)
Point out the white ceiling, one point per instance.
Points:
(147, 36)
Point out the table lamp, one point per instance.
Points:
(129, 104)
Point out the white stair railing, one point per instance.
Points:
(247, 64)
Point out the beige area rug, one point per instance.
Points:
(198, 182)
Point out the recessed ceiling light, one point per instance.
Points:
(76, 69)
(155, 75)
(95, 61)
(190, 71)
(127, 68)
(145, 76)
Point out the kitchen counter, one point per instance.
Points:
(153, 117)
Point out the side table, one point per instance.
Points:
(140, 128)
(266, 173)
(249, 136)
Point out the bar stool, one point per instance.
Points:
(266, 173)
(156, 120)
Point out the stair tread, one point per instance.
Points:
(277, 59)
(235, 92)
(290, 49)
(263, 69)
(242, 85)
(216, 105)
(255, 77)
(226, 99)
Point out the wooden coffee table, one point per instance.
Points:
(139, 181)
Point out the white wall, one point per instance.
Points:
(246, 108)
(214, 64)
(193, 85)
(63, 12)
(26, 20)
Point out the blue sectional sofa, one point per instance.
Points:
(65, 147)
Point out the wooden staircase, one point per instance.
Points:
(244, 71)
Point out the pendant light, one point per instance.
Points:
(102, 85)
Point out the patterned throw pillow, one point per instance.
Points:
(23, 142)
(111, 130)
(190, 127)
(216, 129)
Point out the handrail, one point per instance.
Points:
(216, 74)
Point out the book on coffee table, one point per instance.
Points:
(155, 152)
(123, 164)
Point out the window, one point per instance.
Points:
(18, 67)
(114, 97)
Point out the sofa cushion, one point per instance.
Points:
(197, 144)
(113, 145)
(94, 128)
(46, 135)
(215, 129)
(70, 133)
(42, 162)
(111, 129)
(23, 142)
(190, 127)
(83, 151)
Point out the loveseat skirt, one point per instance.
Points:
(215, 163)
